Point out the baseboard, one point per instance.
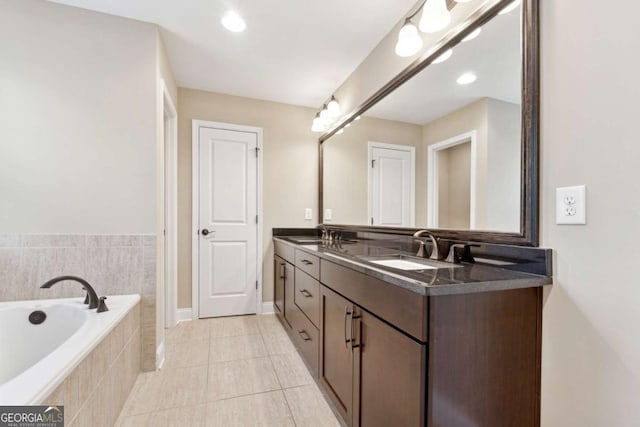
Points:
(184, 315)
(160, 353)
(268, 308)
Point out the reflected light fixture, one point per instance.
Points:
(435, 16)
(317, 126)
(333, 107)
(475, 33)
(466, 78)
(233, 22)
(409, 41)
(324, 115)
(510, 7)
(440, 59)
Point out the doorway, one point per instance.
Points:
(392, 176)
(227, 222)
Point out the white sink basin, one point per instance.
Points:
(402, 264)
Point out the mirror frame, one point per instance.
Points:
(530, 158)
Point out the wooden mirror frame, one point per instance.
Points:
(530, 192)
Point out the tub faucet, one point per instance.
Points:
(91, 293)
(435, 251)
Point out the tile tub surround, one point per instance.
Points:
(228, 371)
(112, 264)
(95, 392)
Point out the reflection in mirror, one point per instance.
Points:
(441, 151)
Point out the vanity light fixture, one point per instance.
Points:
(340, 131)
(440, 59)
(317, 126)
(325, 117)
(475, 33)
(409, 41)
(233, 22)
(435, 16)
(333, 107)
(510, 7)
(466, 78)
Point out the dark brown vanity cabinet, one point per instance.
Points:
(371, 370)
(284, 281)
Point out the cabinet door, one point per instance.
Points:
(289, 291)
(391, 374)
(336, 356)
(278, 271)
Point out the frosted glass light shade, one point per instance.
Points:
(435, 16)
(317, 126)
(333, 107)
(233, 22)
(443, 57)
(409, 41)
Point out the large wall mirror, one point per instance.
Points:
(450, 144)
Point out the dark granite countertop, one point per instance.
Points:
(484, 275)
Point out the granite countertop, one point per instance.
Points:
(482, 276)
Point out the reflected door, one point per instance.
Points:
(227, 222)
(391, 185)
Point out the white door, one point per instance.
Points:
(392, 176)
(227, 222)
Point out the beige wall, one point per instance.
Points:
(290, 178)
(454, 187)
(346, 171)
(77, 120)
(591, 347)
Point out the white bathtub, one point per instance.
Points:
(35, 359)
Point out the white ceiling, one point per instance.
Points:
(494, 56)
(293, 51)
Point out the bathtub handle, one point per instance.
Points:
(102, 306)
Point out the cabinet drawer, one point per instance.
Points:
(308, 263)
(306, 339)
(307, 296)
(284, 251)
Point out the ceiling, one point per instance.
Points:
(494, 56)
(293, 51)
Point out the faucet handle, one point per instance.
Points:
(466, 256)
(102, 306)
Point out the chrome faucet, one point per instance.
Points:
(422, 253)
(92, 297)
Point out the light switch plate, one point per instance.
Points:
(308, 213)
(571, 205)
(327, 215)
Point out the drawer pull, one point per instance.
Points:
(307, 262)
(304, 335)
(306, 293)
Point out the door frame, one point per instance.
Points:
(432, 171)
(195, 211)
(412, 151)
(170, 250)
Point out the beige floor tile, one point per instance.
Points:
(184, 416)
(186, 354)
(188, 331)
(182, 387)
(236, 348)
(265, 409)
(309, 408)
(234, 326)
(144, 395)
(291, 370)
(241, 377)
(142, 420)
(269, 324)
(279, 343)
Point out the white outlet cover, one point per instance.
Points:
(327, 215)
(308, 213)
(571, 205)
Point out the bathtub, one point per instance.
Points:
(35, 359)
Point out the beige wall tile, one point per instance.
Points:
(265, 409)
(241, 377)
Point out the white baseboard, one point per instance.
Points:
(268, 308)
(160, 353)
(184, 315)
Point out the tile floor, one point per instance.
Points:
(231, 371)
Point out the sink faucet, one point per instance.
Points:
(92, 297)
(435, 252)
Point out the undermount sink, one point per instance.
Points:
(402, 264)
(306, 240)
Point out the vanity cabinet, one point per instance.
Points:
(284, 281)
(370, 370)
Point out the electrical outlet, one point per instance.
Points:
(308, 214)
(571, 205)
(327, 215)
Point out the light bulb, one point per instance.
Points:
(409, 41)
(443, 57)
(466, 78)
(435, 16)
(475, 33)
(233, 22)
(510, 7)
(317, 124)
(324, 115)
(333, 107)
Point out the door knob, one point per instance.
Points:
(205, 232)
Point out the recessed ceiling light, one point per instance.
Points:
(510, 7)
(475, 33)
(443, 57)
(233, 22)
(466, 78)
